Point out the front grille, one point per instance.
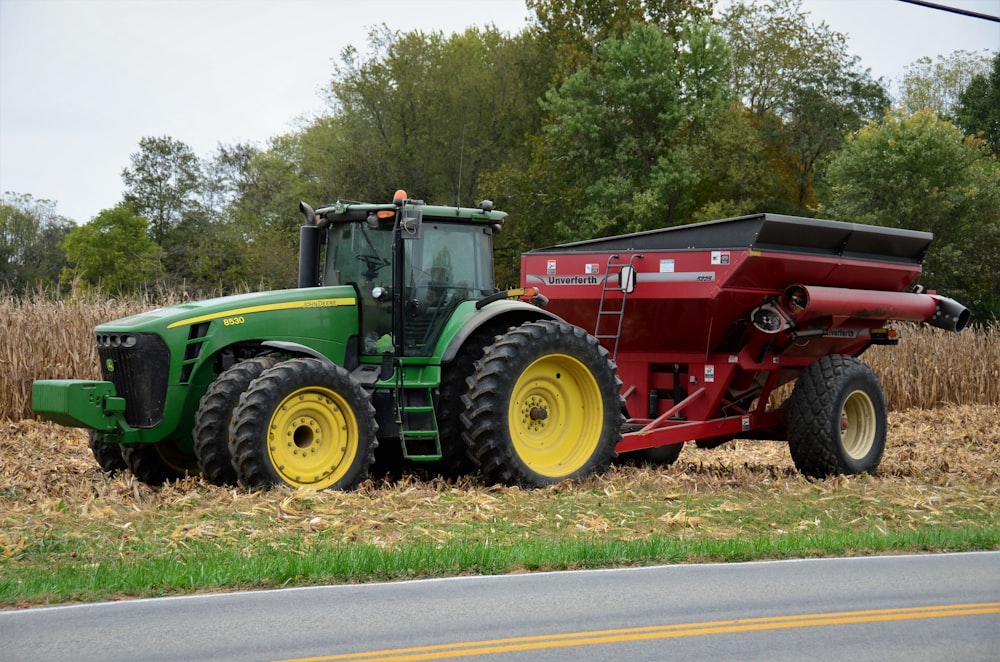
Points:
(138, 365)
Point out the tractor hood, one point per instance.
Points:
(231, 309)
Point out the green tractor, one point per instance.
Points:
(395, 343)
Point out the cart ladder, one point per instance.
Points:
(611, 312)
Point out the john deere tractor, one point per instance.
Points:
(396, 339)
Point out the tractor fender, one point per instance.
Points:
(296, 348)
(500, 314)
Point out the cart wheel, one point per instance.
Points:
(108, 455)
(543, 406)
(215, 413)
(837, 418)
(661, 456)
(306, 424)
(155, 464)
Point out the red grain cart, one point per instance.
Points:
(705, 321)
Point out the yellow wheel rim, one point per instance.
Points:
(556, 416)
(312, 438)
(857, 425)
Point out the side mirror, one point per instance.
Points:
(626, 279)
(409, 223)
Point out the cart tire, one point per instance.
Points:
(304, 423)
(155, 464)
(543, 406)
(214, 415)
(837, 418)
(661, 456)
(108, 455)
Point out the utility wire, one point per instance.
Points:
(954, 10)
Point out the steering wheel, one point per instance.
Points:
(372, 263)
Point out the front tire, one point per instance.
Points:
(155, 464)
(108, 455)
(543, 406)
(306, 424)
(215, 413)
(837, 418)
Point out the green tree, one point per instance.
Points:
(736, 166)
(427, 113)
(978, 108)
(938, 84)
(163, 183)
(539, 199)
(920, 172)
(803, 86)
(226, 176)
(112, 251)
(206, 250)
(276, 181)
(819, 118)
(622, 133)
(30, 233)
(207, 256)
(264, 218)
(775, 50)
(576, 28)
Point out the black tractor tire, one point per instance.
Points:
(543, 406)
(108, 455)
(389, 465)
(304, 423)
(455, 458)
(215, 414)
(156, 464)
(837, 418)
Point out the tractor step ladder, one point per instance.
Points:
(611, 312)
(417, 422)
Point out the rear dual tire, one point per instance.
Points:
(455, 457)
(543, 406)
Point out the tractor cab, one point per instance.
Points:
(411, 264)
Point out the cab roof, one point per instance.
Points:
(341, 212)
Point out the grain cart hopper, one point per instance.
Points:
(377, 347)
(705, 321)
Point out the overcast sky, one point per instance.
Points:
(81, 81)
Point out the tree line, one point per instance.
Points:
(600, 117)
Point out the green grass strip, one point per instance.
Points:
(206, 567)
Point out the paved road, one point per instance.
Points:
(928, 607)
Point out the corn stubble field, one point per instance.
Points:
(938, 488)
